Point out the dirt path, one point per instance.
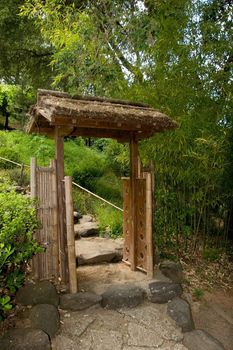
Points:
(214, 314)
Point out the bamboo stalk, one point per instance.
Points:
(70, 236)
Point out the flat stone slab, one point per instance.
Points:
(45, 317)
(97, 250)
(79, 301)
(119, 296)
(144, 327)
(86, 229)
(39, 293)
(179, 310)
(25, 339)
(199, 339)
(162, 292)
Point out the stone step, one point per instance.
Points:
(97, 250)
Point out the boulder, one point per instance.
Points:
(97, 250)
(79, 301)
(162, 292)
(25, 339)
(199, 339)
(45, 317)
(172, 270)
(39, 293)
(120, 296)
(180, 311)
(86, 229)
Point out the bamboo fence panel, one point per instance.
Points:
(44, 189)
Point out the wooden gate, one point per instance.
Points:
(44, 189)
(52, 264)
(143, 241)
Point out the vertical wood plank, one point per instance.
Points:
(33, 189)
(59, 143)
(133, 177)
(149, 224)
(70, 235)
(54, 219)
(33, 178)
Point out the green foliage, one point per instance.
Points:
(198, 293)
(25, 56)
(17, 223)
(110, 221)
(211, 254)
(8, 154)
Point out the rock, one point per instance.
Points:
(25, 339)
(96, 250)
(45, 317)
(201, 340)
(86, 218)
(162, 292)
(180, 311)
(172, 270)
(86, 229)
(39, 293)
(119, 296)
(77, 216)
(79, 301)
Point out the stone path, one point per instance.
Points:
(145, 327)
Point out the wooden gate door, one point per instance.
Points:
(144, 236)
(44, 189)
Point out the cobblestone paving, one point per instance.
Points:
(145, 327)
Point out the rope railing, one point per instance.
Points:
(13, 162)
(95, 195)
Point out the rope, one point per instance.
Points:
(95, 195)
(11, 161)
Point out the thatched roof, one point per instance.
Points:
(95, 117)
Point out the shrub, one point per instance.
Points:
(110, 221)
(17, 246)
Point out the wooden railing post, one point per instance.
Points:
(70, 235)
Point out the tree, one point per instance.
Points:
(24, 55)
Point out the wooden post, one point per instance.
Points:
(70, 235)
(55, 224)
(59, 141)
(133, 177)
(149, 224)
(33, 178)
(33, 189)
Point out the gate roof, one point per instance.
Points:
(95, 117)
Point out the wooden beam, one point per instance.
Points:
(133, 177)
(84, 122)
(59, 142)
(70, 235)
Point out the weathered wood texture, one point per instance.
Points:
(63, 266)
(142, 241)
(70, 235)
(44, 189)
